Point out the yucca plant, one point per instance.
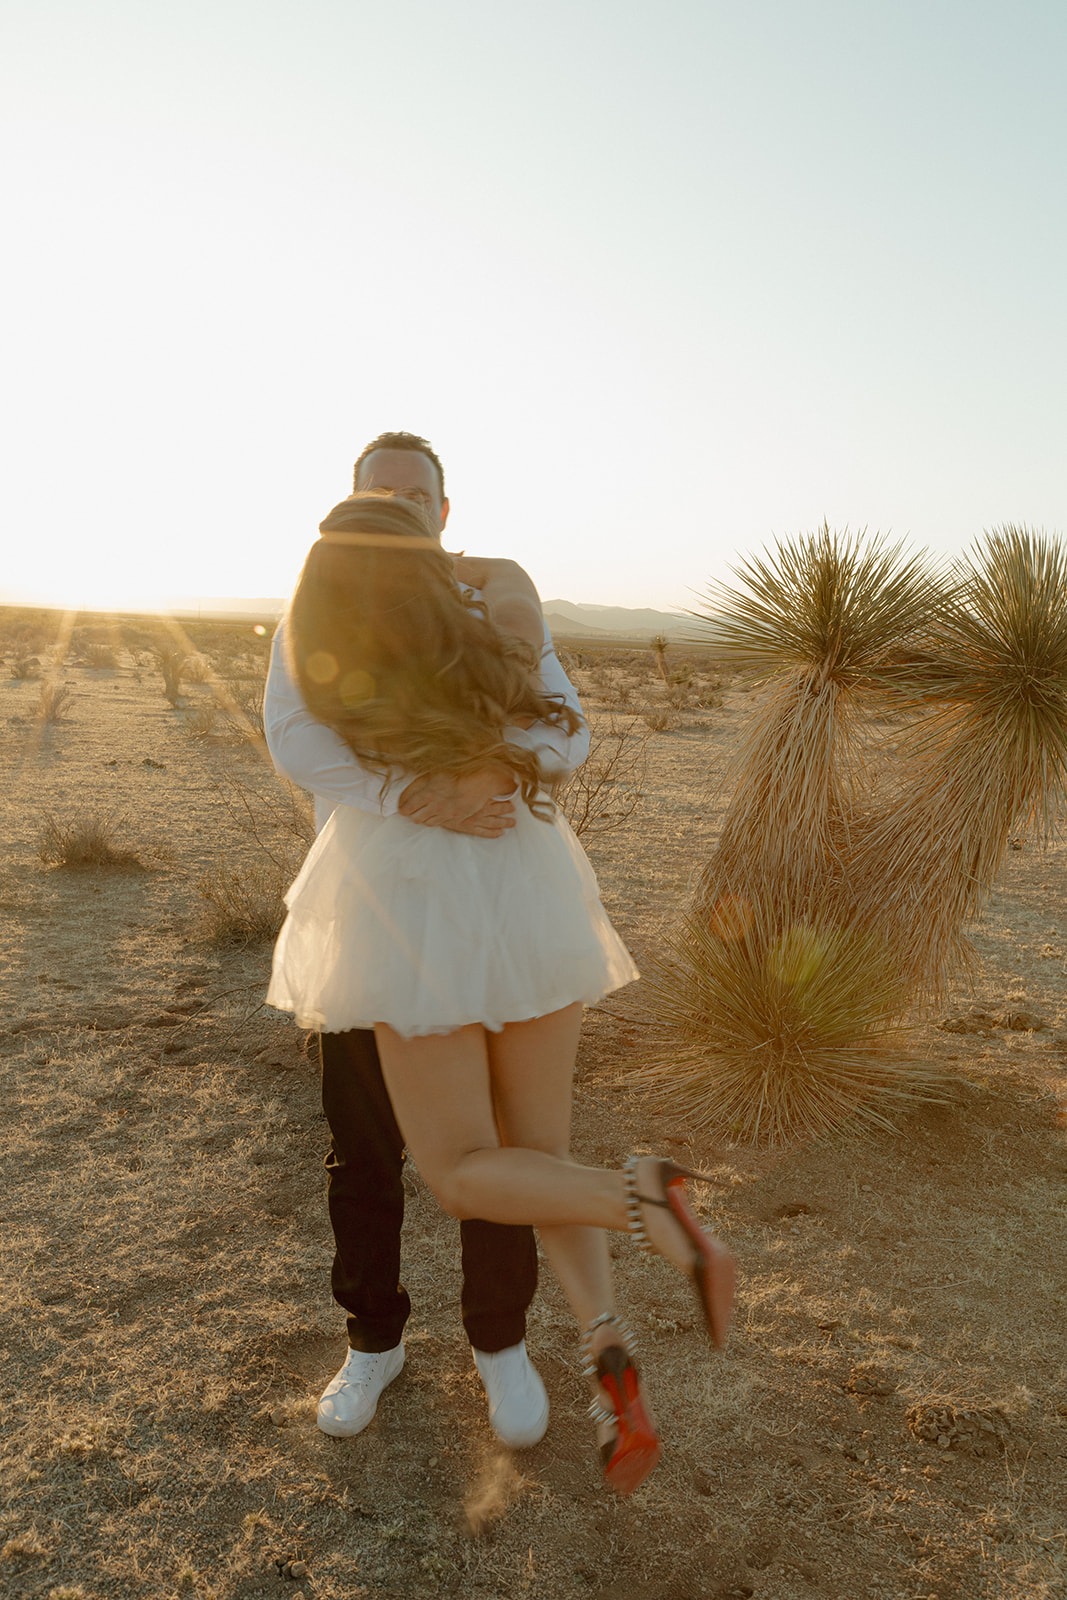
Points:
(826, 621)
(769, 1027)
(986, 758)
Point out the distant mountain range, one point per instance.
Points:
(570, 619)
(565, 618)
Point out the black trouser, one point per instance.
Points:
(365, 1193)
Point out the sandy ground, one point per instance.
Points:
(890, 1418)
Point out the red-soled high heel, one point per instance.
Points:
(635, 1449)
(712, 1267)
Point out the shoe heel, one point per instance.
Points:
(635, 1450)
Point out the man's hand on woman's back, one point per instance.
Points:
(470, 804)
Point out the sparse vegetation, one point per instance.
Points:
(99, 655)
(242, 904)
(171, 660)
(202, 718)
(660, 719)
(54, 701)
(606, 790)
(26, 667)
(94, 840)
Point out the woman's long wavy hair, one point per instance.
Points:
(389, 652)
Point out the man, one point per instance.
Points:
(365, 1187)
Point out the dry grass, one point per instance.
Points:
(53, 702)
(99, 655)
(89, 841)
(202, 719)
(242, 904)
(660, 719)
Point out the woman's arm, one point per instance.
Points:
(510, 596)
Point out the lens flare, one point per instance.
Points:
(355, 687)
(321, 666)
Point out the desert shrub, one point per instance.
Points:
(201, 719)
(660, 718)
(26, 667)
(242, 904)
(197, 669)
(99, 655)
(769, 1027)
(242, 700)
(94, 840)
(171, 662)
(53, 702)
(605, 792)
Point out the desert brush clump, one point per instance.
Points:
(823, 623)
(94, 840)
(242, 904)
(985, 759)
(171, 661)
(769, 1025)
(53, 701)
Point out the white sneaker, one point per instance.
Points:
(350, 1400)
(518, 1404)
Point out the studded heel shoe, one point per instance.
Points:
(711, 1268)
(631, 1454)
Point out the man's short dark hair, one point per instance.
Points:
(400, 441)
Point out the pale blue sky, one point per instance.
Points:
(659, 280)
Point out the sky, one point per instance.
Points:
(661, 280)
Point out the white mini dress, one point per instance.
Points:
(429, 930)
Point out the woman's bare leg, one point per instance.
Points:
(532, 1073)
(441, 1091)
(456, 1095)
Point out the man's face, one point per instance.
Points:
(410, 476)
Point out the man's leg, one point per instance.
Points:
(499, 1281)
(365, 1190)
(365, 1193)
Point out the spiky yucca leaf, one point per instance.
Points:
(844, 603)
(768, 1034)
(988, 759)
(826, 619)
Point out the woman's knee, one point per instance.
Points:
(459, 1189)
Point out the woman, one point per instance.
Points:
(470, 957)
